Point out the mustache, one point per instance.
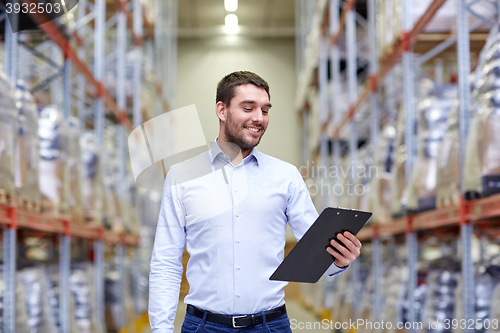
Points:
(253, 125)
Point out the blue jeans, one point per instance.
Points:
(194, 324)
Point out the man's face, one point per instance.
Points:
(247, 116)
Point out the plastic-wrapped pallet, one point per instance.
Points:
(75, 200)
(52, 285)
(399, 197)
(448, 159)
(484, 292)
(81, 288)
(443, 275)
(495, 309)
(92, 186)
(8, 130)
(399, 190)
(21, 317)
(379, 201)
(393, 291)
(111, 180)
(432, 116)
(22, 324)
(118, 301)
(54, 172)
(35, 299)
(448, 165)
(483, 146)
(419, 296)
(27, 159)
(108, 208)
(486, 281)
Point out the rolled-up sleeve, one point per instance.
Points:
(166, 261)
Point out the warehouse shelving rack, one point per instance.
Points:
(483, 213)
(159, 46)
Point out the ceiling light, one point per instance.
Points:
(231, 24)
(231, 5)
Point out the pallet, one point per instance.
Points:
(5, 198)
(77, 217)
(29, 205)
(48, 207)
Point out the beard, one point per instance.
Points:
(235, 134)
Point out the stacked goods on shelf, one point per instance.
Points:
(363, 176)
(486, 282)
(92, 186)
(495, 308)
(119, 304)
(483, 146)
(486, 292)
(108, 207)
(399, 196)
(8, 130)
(75, 200)
(345, 181)
(21, 320)
(54, 172)
(393, 292)
(128, 293)
(420, 297)
(51, 276)
(366, 306)
(399, 190)
(131, 223)
(32, 280)
(432, 115)
(448, 166)
(442, 281)
(110, 177)
(380, 188)
(389, 23)
(27, 159)
(81, 288)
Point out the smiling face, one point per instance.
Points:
(245, 120)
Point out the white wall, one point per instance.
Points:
(203, 62)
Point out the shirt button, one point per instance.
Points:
(238, 294)
(238, 240)
(235, 191)
(238, 267)
(237, 215)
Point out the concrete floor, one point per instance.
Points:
(295, 312)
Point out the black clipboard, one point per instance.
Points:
(308, 260)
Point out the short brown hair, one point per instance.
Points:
(225, 87)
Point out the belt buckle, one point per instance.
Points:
(234, 321)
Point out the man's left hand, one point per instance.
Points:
(347, 254)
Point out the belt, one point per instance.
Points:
(237, 321)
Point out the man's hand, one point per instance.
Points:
(347, 254)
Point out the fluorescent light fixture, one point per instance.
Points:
(231, 24)
(231, 5)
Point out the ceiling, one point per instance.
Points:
(259, 18)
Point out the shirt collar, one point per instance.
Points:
(215, 150)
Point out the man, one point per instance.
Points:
(232, 219)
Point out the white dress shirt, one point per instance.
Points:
(233, 224)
